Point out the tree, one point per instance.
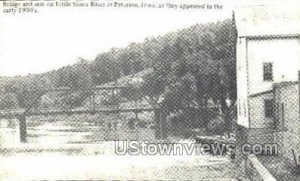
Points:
(105, 69)
(203, 54)
(9, 101)
(153, 87)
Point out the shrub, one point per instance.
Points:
(216, 125)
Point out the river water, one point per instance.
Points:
(86, 129)
(72, 129)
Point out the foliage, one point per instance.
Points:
(190, 66)
(217, 125)
(8, 101)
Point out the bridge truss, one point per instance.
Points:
(93, 108)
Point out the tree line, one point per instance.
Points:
(190, 66)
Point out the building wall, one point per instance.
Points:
(260, 41)
(288, 135)
(242, 83)
(251, 54)
(282, 52)
(260, 128)
(257, 111)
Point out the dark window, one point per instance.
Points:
(269, 108)
(268, 71)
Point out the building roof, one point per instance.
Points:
(284, 84)
(275, 86)
(268, 20)
(261, 93)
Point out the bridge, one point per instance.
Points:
(21, 114)
(51, 112)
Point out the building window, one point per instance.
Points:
(269, 108)
(268, 71)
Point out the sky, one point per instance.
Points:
(37, 43)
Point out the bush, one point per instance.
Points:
(186, 120)
(175, 122)
(216, 125)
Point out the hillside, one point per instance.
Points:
(188, 66)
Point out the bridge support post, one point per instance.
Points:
(23, 128)
(164, 130)
(160, 124)
(93, 102)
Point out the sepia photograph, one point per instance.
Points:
(150, 90)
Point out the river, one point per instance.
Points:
(24, 163)
(65, 129)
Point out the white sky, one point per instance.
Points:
(52, 39)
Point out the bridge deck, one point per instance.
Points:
(15, 113)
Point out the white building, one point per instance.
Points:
(268, 52)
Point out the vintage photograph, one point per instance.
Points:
(149, 90)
